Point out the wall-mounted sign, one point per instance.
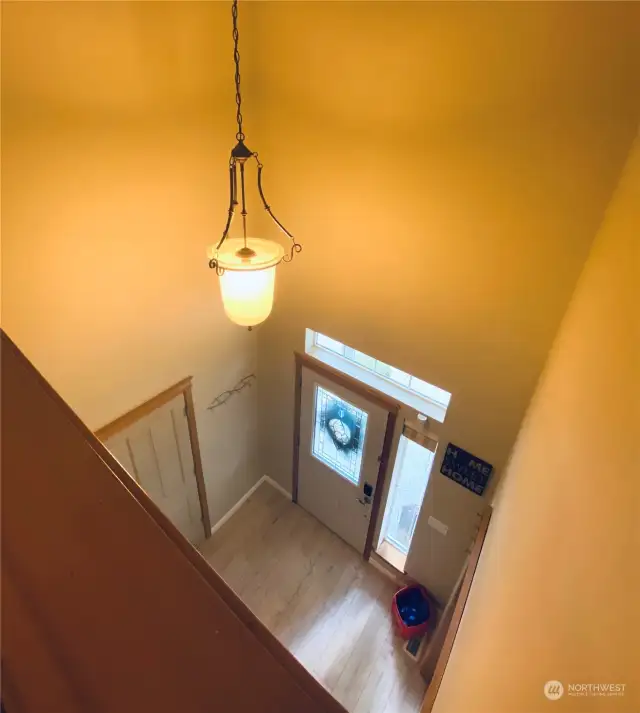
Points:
(471, 472)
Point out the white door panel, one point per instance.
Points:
(341, 440)
(119, 448)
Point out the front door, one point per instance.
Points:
(342, 435)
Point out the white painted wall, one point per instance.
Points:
(446, 166)
(117, 120)
(556, 591)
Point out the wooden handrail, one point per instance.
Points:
(144, 409)
(106, 606)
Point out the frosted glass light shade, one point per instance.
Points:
(247, 295)
(248, 281)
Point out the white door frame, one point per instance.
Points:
(390, 405)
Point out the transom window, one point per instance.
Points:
(386, 371)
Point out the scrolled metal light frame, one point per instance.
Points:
(240, 154)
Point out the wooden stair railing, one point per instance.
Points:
(105, 606)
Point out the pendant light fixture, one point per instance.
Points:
(246, 266)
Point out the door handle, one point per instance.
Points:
(367, 490)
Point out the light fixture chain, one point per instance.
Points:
(251, 303)
(236, 59)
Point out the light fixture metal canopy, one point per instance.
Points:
(252, 254)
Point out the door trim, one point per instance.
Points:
(338, 377)
(379, 399)
(155, 402)
(422, 439)
(382, 477)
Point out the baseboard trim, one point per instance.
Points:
(230, 513)
(273, 483)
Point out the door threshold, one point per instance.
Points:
(391, 554)
(399, 578)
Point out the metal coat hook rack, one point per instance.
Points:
(222, 398)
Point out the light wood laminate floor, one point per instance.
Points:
(320, 599)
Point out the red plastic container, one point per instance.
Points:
(412, 598)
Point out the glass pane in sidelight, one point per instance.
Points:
(408, 486)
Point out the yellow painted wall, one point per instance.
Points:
(446, 166)
(557, 588)
(117, 121)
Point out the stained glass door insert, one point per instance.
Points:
(338, 434)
